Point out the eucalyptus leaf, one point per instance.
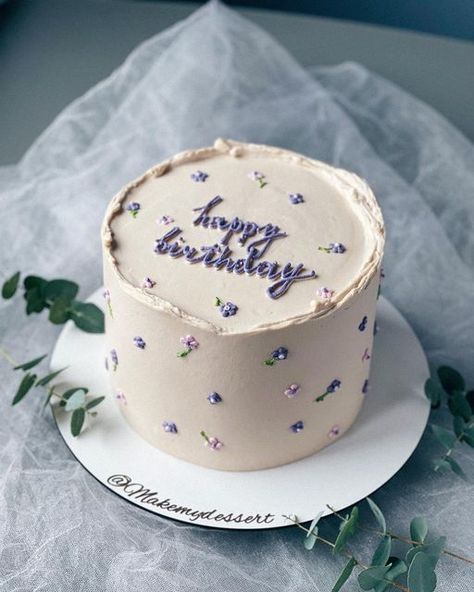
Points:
(458, 425)
(25, 385)
(441, 465)
(94, 402)
(49, 377)
(398, 568)
(33, 281)
(377, 512)
(48, 398)
(348, 529)
(451, 379)
(311, 538)
(369, 578)
(421, 575)
(34, 301)
(59, 311)
(459, 406)
(418, 529)
(77, 421)
(64, 289)
(345, 575)
(432, 551)
(31, 363)
(434, 392)
(469, 436)
(382, 552)
(456, 468)
(87, 316)
(444, 436)
(470, 399)
(69, 393)
(10, 286)
(76, 400)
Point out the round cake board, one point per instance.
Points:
(383, 437)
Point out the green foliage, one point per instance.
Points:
(444, 436)
(434, 392)
(418, 529)
(25, 386)
(382, 552)
(312, 535)
(451, 380)
(369, 578)
(377, 512)
(77, 421)
(398, 568)
(9, 288)
(87, 316)
(31, 364)
(421, 575)
(348, 529)
(345, 575)
(459, 406)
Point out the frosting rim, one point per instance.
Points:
(349, 184)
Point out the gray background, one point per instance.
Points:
(52, 51)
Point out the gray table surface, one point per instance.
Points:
(52, 51)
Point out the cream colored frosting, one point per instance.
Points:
(338, 207)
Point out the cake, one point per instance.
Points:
(240, 286)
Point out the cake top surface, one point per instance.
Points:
(240, 238)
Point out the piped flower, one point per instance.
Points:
(279, 354)
(106, 295)
(133, 207)
(295, 198)
(228, 309)
(148, 282)
(366, 355)
(337, 248)
(214, 398)
(297, 427)
(325, 293)
(211, 441)
(334, 432)
(165, 220)
(292, 390)
(190, 343)
(199, 176)
(259, 177)
(363, 324)
(120, 397)
(365, 386)
(114, 358)
(170, 427)
(331, 388)
(138, 342)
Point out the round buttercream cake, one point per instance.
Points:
(240, 286)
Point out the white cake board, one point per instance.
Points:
(386, 432)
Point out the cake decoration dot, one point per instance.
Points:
(292, 390)
(138, 342)
(211, 441)
(331, 388)
(334, 432)
(259, 177)
(190, 343)
(106, 295)
(325, 293)
(199, 176)
(166, 220)
(363, 324)
(337, 248)
(214, 398)
(295, 198)
(366, 355)
(170, 427)
(120, 397)
(114, 358)
(277, 355)
(148, 282)
(365, 386)
(133, 207)
(297, 427)
(228, 309)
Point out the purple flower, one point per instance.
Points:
(259, 177)
(165, 220)
(189, 343)
(366, 355)
(114, 358)
(214, 398)
(229, 309)
(170, 427)
(281, 353)
(138, 342)
(365, 386)
(295, 198)
(337, 248)
(363, 324)
(148, 283)
(297, 427)
(292, 390)
(325, 293)
(334, 386)
(133, 207)
(211, 441)
(120, 397)
(334, 432)
(199, 176)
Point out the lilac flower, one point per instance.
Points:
(214, 398)
(366, 355)
(297, 427)
(211, 441)
(337, 248)
(259, 177)
(106, 295)
(363, 324)
(229, 309)
(365, 386)
(334, 432)
(138, 342)
(331, 388)
(165, 220)
(292, 390)
(295, 198)
(199, 176)
(148, 283)
(114, 358)
(133, 207)
(120, 397)
(189, 343)
(325, 293)
(281, 353)
(170, 427)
